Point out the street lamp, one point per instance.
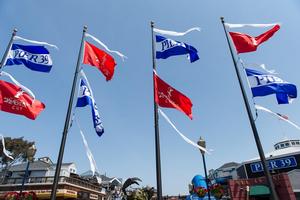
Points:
(30, 157)
(201, 142)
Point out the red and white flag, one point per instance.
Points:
(15, 100)
(100, 59)
(245, 43)
(168, 97)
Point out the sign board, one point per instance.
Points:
(280, 163)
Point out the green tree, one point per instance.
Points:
(17, 146)
(145, 193)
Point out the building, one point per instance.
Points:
(40, 180)
(223, 173)
(284, 165)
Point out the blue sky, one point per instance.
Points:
(126, 103)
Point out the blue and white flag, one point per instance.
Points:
(34, 57)
(85, 97)
(263, 84)
(167, 47)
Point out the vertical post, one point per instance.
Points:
(67, 121)
(252, 123)
(8, 48)
(156, 126)
(201, 142)
(24, 178)
(206, 178)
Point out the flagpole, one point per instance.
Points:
(252, 123)
(67, 121)
(156, 126)
(8, 48)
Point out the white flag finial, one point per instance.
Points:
(35, 42)
(174, 33)
(105, 47)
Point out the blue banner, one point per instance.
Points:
(36, 58)
(85, 97)
(168, 47)
(263, 84)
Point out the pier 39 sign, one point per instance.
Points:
(279, 163)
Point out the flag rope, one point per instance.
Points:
(174, 33)
(182, 135)
(105, 47)
(258, 107)
(35, 42)
(3, 73)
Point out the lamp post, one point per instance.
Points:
(30, 157)
(201, 142)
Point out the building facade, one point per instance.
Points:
(40, 180)
(248, 180)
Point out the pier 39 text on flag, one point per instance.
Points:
(34, 57)
(14, 100)
(85, 97)
(263, 84)
(168, 47)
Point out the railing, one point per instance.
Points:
(49, 180)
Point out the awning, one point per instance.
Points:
(259, 190)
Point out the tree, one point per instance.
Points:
(18, 147)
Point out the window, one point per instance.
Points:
(297, 142)
(287, 144)
(281, 145)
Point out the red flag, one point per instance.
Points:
(100, 59)
(14, 100)
(245, 43)
(168, 97)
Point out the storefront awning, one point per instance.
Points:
(259, 190)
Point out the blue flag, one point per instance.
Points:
(263, 84)
(36, 58)
(168, 47)
(85, 97)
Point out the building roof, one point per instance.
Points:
(278, 153)
(229, 164)
(89, 173)
(106, 179)
(36, 165)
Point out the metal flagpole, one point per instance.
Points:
(8, 48)
(67, 122)
(156, 126)
(252, 123)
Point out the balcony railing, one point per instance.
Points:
(49, 180)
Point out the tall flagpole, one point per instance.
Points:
(8, 48)
(67, 122)
(252, 123)
(156, 126)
